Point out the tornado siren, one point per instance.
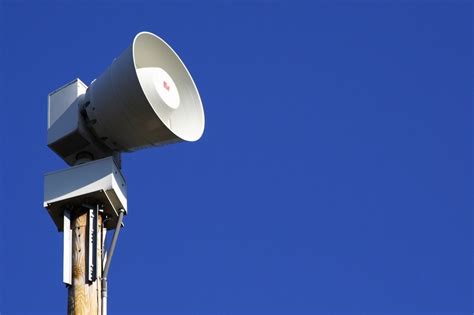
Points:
(145, 98)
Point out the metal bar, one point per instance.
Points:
(109, 260)
(67, 247)
(114, 243)
(92, 223)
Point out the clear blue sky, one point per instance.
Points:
(334, 176)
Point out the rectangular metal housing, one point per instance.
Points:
(68, 133)
(96, 182)
(60, 99)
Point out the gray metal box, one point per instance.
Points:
(68, 132)
(96, 182)
(60, 99)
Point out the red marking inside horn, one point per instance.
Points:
(166, 86)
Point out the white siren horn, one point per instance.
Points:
(145, 98)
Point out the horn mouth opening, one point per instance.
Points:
(168, 86)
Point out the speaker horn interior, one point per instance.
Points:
(146, 97)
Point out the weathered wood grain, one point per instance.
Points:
(83, 296)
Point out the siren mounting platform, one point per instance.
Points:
(97, 182)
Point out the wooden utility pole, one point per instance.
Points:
(83, 295)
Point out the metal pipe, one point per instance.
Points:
(109, 260)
